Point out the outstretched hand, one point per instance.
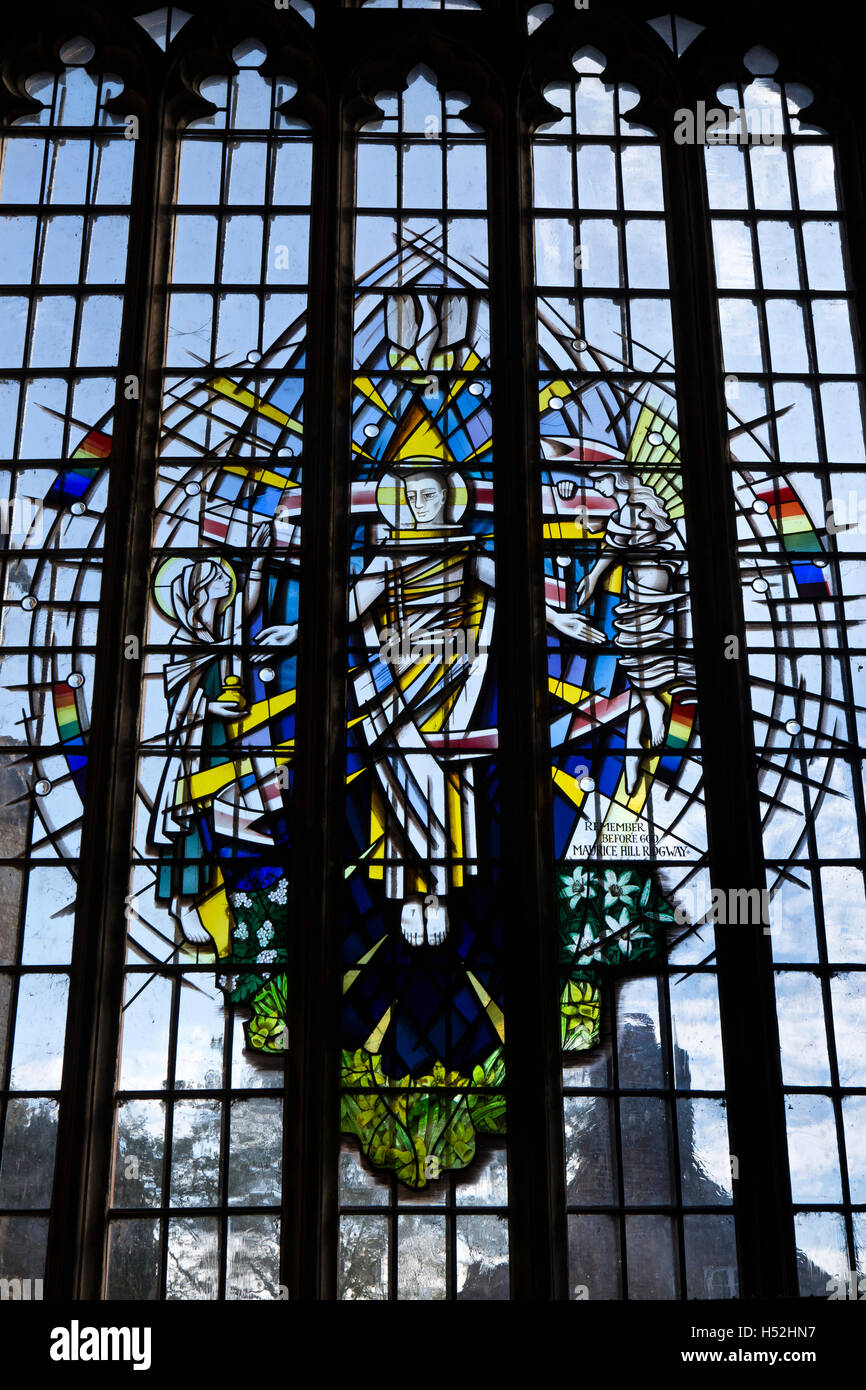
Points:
(282, 635)
(575, 627)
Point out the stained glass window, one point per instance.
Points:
(430, 689)
(423, 1058)
(794, 398)
(644, 1106)
(65, 188)
(200, 1083)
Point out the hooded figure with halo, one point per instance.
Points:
(203, 696)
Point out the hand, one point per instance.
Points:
(575, 627)
(261, 536)
(566, 487)
(222, 709)
(585, 590)
(283, 635)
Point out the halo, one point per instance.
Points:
(167, 571)
(391, 492)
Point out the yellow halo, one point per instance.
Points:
(167, 571)
(391, 497)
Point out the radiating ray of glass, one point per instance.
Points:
(65, 187)
(644, 1083)
(204, 1038)
(423, 1061)
(793, 387)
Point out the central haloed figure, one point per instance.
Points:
(425, 601)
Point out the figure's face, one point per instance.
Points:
(221, 585)
(605, 485)
(426, 497)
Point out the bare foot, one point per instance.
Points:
(632, 775)
(656, 712)
(190, 924)
(634, 738)
(436, 916)
(412, 922)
